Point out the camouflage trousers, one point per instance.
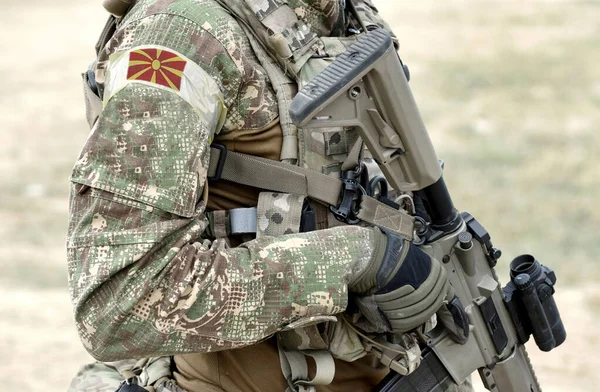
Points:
(107, 377)
(154, 374)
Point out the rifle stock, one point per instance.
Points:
(366, 88)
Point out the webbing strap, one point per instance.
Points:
(380, 214)
(282, 177)
(242, 220)
(293, 365)
(353, 159)
(325, 367)
(295, 369)
(285, 90)
(224, 223)
(275, 176)
(107, 32)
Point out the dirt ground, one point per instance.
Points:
(511, 95)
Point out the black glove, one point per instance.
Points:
(409, 287)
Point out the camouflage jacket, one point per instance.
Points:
(143, 279)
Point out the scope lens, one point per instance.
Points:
(525, 264)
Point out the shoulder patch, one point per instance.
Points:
(166, 69)
(157, 66)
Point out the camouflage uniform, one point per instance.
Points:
(146, 279)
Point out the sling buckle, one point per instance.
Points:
(352, 191)
(222, 155)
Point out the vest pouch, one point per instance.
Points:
(276, 26)
(344, 342)
(334, 336)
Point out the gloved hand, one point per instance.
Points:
(409, 287)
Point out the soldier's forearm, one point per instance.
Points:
(151, 289)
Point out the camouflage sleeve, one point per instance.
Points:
(142, 280)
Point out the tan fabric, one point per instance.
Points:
(282, 177)
(379, 214)
(285, 89)
(256, 369)
(265, 143)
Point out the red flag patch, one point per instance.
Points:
(156, 66)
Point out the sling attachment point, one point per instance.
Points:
(352, 191)
(378, 189)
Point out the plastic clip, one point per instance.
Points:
(347, 210)
(129, 385)
(221, 164)
(403, 357)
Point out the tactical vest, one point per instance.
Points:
(317, 165)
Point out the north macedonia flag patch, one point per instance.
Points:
(163, 68)
(156, 66)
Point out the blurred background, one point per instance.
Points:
(510, 91)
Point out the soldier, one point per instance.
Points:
(167, 258)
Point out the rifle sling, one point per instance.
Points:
(286, 178)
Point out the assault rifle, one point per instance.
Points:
(367, 88)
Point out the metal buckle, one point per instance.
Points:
(221, 164)
(347, 210)
(420, 233)
(378, 189)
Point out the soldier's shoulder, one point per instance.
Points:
(204, 14)
(201, 30)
